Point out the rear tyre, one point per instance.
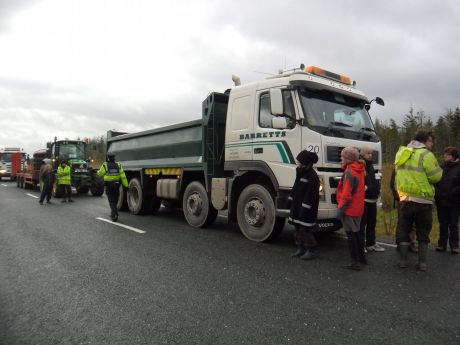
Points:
(256, 214)
(196, 206)
(138, 203)
(122, 204)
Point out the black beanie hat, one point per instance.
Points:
(306, 157)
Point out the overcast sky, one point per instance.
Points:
(72, 68)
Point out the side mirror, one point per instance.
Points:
(276, 102)
(377, 100)
(279, 122)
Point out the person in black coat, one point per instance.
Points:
(372, 193)
(447, 199)
(303, 201)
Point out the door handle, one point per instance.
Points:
(258, 150)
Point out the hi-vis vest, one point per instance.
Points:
(63, 175)
(113, 172)
(417, 170)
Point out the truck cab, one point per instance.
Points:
(302, 109)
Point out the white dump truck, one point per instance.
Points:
(240, 156)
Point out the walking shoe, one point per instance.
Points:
(49, 202)
(64, 200)
(440, 248)
(455, 251)
(421, 266)
(70, 200)
(375, 248)
(40, 202)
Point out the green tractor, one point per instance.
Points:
(83, 177)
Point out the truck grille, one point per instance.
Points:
(333, 154)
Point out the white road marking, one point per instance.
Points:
(4, 185)
(33, 196)
(122, 225)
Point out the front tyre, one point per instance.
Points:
(256, 214)
(197, 209)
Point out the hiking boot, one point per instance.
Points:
(300, 251)
(309, 255)
(354, 266)
(422, 253)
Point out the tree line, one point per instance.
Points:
(446, 131)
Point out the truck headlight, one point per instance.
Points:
(2, 171)
(322, 192)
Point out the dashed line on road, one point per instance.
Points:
(4, 185)
(122, 225)
(33, 196)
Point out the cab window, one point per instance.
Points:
(265, 116)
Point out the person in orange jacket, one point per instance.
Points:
(350, 208)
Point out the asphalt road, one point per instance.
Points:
(67, 277)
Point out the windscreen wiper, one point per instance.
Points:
(341, 124)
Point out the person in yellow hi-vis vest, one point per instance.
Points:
(417, 170)
(63, 175)
(113, 174)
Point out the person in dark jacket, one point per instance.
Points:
(304, 200)
(47, 181)
(372, 192)
(447, 197)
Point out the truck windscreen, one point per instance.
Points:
(72, 151)
(5, 157)
(337, 115)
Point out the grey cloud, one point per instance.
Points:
(9, 8)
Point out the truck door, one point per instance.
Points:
(277, 147)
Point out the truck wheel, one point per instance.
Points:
(197, 209)
(97, 187)
(122, 204)
(256, 214)
(138, 203)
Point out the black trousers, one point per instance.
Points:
(368, 223)
(112, 190)
(414, 213)
(66, 190)
(448, 226)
